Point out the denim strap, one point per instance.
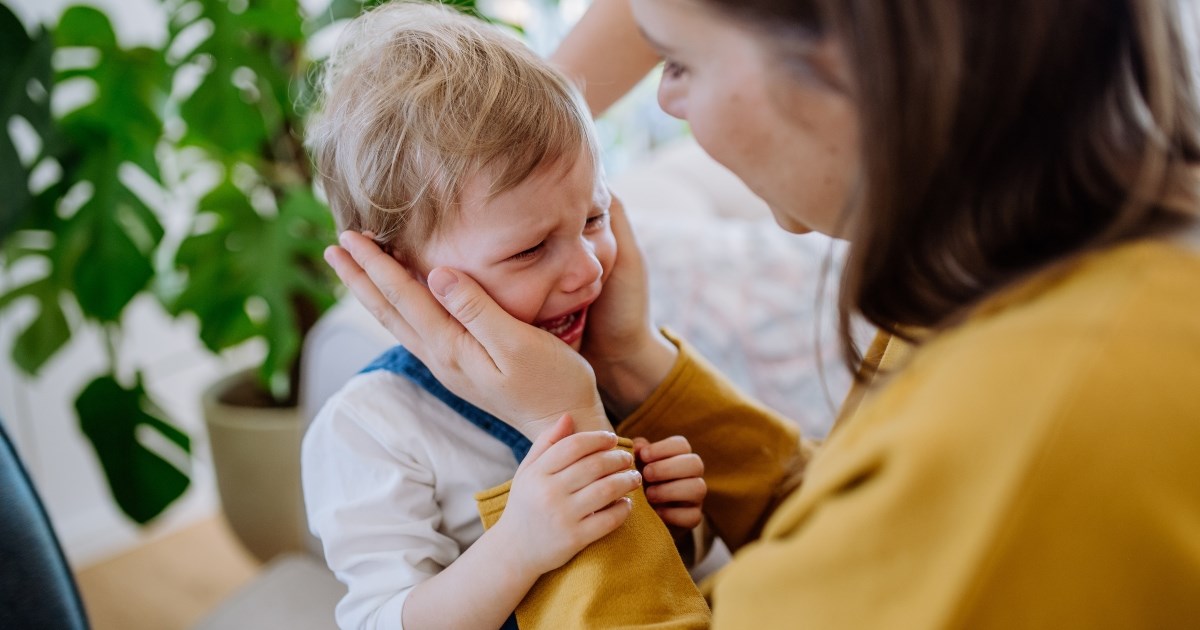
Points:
(399, 360)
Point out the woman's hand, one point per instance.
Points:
(568, 492)
(628, 353)
(515, 371)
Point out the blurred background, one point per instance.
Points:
(167, 325)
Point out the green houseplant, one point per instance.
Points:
(221, 102)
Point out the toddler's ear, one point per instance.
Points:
(417, 274)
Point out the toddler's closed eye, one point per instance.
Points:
(528, 255)
(597, 222)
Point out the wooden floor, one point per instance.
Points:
(167, 584)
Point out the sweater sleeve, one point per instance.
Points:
(753, 458)
(632, 578)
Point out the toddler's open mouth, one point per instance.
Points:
(568, 327)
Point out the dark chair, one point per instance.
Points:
(37, 589)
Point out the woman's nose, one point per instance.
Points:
(671, 99)
(583, 269)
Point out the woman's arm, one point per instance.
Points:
(605, 54)
(753, 458)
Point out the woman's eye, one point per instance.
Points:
(673, 70)
(596, 222)
(527, 254)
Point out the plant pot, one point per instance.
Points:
(256, 457)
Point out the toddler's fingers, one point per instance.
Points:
(560, 430)
(602, 522)
(677, 467)
(573, 448)
(691, 490)
(593, 467)
(685, 517)
(662, 449)
(639, 443)
(598, 494)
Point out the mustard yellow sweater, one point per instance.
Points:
(1038, 466)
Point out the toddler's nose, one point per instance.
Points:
(582, 271)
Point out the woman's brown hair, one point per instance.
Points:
(999, 138)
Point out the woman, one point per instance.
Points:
(1019, 184)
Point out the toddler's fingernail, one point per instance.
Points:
(637, 477)
(442, 281)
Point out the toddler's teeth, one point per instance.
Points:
(562, 326)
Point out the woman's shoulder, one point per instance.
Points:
(1115, 334)
(1087, 385)
(1124, 285)
(1104, 346)
(1111, 303)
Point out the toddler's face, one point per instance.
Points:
(542, 250)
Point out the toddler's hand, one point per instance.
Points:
(569, 492)
(674, 480)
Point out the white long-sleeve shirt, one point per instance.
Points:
(389, 474)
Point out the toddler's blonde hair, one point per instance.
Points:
(416, 99)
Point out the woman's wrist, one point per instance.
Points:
(627, 382)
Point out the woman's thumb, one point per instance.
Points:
(467, 302)
(561, 428)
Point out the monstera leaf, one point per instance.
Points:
(227, 94)
(249, 59)
(102, 243)
(129, 433)
(246, 272)
(93, 235)
(104, 250)
(25, 93)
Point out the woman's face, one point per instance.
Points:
(789, 134)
